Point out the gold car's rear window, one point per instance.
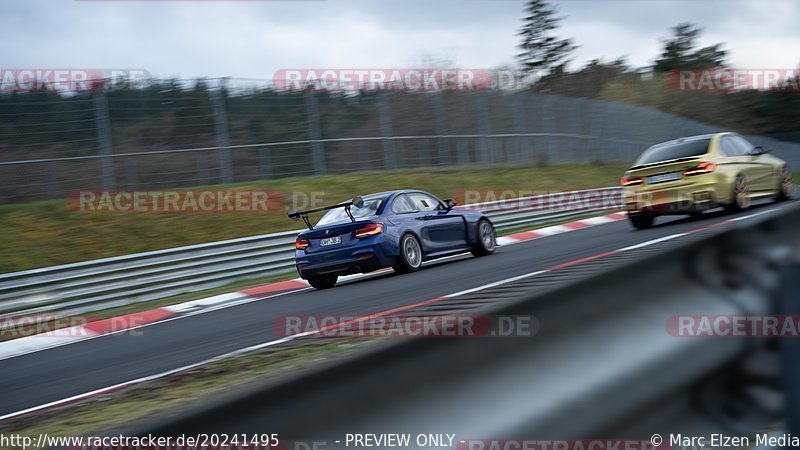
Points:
(674, 150)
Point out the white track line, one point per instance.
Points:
(275, 342)
(654, 241)
(290, 338)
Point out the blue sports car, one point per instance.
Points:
(398, 229)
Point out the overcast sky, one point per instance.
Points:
(255, 38)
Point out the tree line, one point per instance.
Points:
(544, 57)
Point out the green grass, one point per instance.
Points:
(49, 233)
(796, 178)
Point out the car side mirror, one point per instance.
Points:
(759, 151)
(449, 204)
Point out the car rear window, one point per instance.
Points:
(370, 208)
(673, 150)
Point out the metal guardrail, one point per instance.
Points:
(89, 286)
(601, 363)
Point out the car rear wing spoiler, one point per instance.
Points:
(296, 215)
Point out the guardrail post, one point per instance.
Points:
(221, 131)
(443, 148)
(385, 122)
(103, 123)
(484, 128)
(315, 133)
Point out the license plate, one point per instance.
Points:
(330, 241)
(664, 177)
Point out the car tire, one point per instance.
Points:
(409, 258)
(740, 199)
(486, 238)
(785, 185)
(641, 221)
(320, 281)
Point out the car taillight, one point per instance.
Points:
(703, 167)
(369, 230)
(631, 181)
(300, 244)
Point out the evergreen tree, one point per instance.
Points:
(680, 52)
(541, 51)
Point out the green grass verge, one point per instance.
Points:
(180, 390)
(49, 233)
(796, 178)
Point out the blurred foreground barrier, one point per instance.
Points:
(89, 286)
(604, 363)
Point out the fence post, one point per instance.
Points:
(221, 131)
(574, 106)
(314, 133)
(518, 113)
(103, 123)
(201, 168)
(51, 181)
(550, 124)
(264, 160)
(463, 151)
(131, 176)
(385, 121)
(484, 129)
(443, 147)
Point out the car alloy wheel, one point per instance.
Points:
(740, 194)
(486, 239)
(787, 184)
(486, 233)
(412, 252)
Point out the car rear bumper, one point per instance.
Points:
(345, 261)
(676, 199)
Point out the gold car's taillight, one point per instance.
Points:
(699, 169)
(631, 181)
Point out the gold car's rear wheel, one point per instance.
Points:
(787, 185)
(641, 221)
(741, 195)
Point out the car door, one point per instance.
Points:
(760, 174)
(441, 230)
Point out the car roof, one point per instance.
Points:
(395, 192)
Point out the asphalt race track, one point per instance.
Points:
(50, 375)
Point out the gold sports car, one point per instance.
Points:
(692, 174)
